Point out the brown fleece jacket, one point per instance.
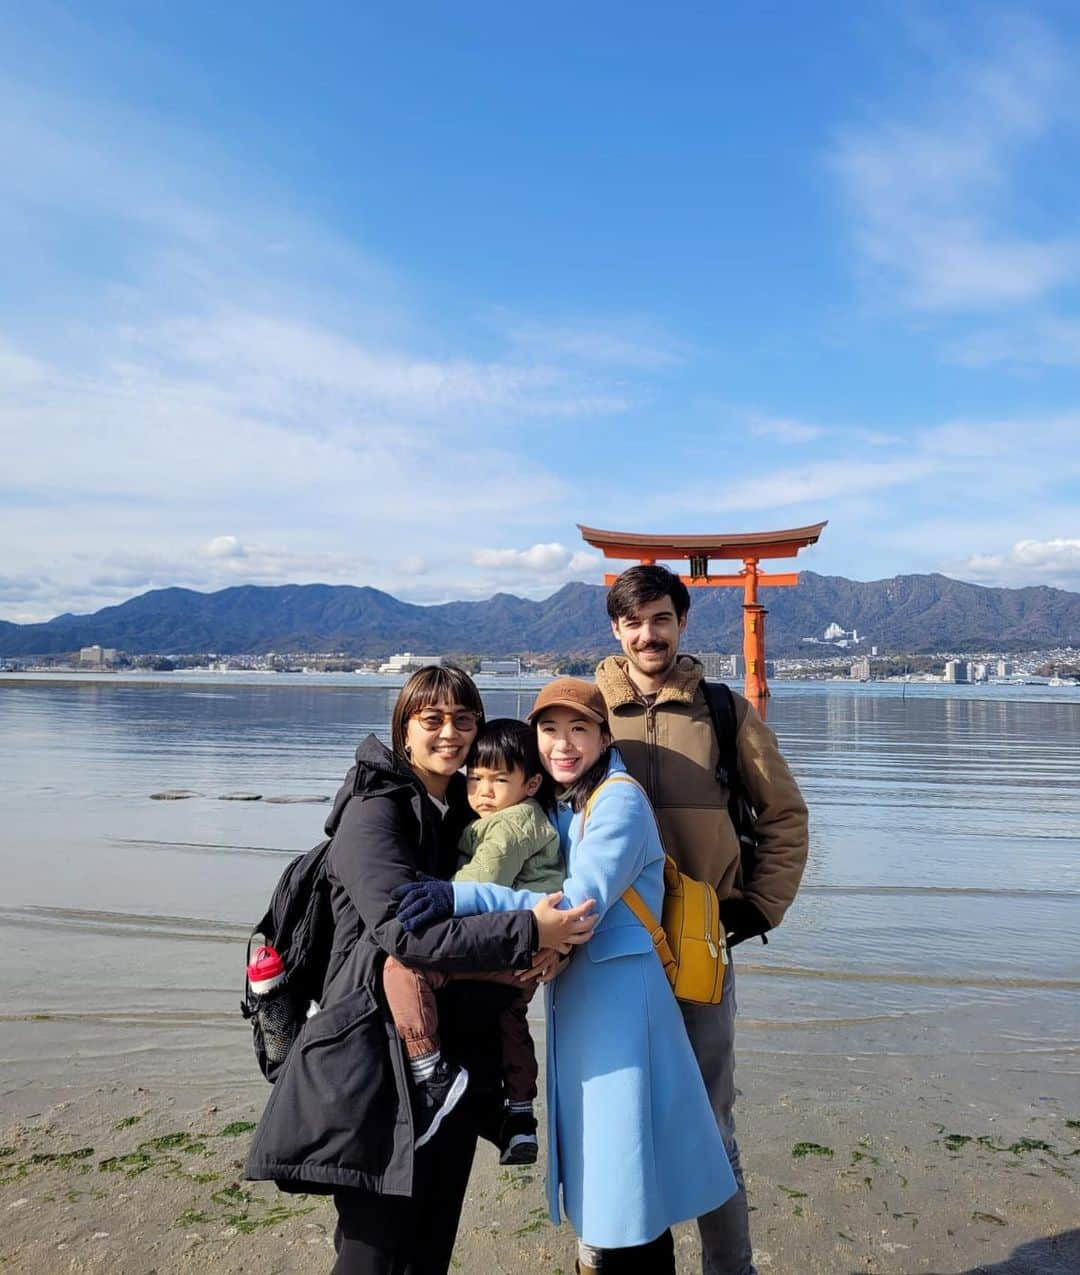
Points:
(670, 748)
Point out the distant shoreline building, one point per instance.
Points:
(500, 668)
(406, 662)
(837, 636)
(97, 657)
(720, 667)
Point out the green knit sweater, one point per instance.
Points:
(517, 847)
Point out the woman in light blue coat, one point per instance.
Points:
(633, 1142)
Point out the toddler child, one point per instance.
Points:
(512, 843)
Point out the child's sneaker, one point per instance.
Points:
(517, 1138)
(435, 1098)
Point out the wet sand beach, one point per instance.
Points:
(909, 1052)
(867, 1167)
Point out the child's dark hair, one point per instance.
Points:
(504, 743)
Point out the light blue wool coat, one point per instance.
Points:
(632, 1139)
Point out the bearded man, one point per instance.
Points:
(663, 725)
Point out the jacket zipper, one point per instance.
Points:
(650, 739)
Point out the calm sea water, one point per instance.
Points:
(938, 915)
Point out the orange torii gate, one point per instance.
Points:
(751, 547)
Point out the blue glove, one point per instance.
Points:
(423, 902)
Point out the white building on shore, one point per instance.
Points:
(407, 662)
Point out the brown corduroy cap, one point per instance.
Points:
(571, 692)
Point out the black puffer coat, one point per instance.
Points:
(339, 1113)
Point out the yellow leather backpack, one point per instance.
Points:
(689, 938)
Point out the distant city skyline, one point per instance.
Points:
(399, 295)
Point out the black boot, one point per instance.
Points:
(655, 1258)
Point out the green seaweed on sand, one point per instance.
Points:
(134, 1163)
(954, 1141)
(1024, 1145)
(537, 1221)
(234, 1193)
(802, 1149)
(59, 1159)
(856, 1156)
(512, 1181)
(127, 1122)
(74, 1194)
(1021, 1147)
(190, 1217)
(168, 1142)
(237, 1128)
(245, 1224)
(979, 1216)
(5, 1152)
(791, 1192)
(239, 1216)
(151, 1155)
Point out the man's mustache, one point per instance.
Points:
(653, 646)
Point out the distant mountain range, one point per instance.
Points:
(911, 614)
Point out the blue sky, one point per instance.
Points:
(397, 295)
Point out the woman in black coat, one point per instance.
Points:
(339, 1117)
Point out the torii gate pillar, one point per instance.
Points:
(750, 547)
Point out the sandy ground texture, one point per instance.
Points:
(874, 1169)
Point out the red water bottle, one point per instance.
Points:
(265, 970)
(276, 1021)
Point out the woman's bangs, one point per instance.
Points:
(445, 686)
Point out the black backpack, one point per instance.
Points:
(721, 704)
(299, 925)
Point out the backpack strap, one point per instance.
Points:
(630, 896)
(640, 909)
(620, 777)
(721, 703)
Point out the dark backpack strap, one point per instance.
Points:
(721, 704)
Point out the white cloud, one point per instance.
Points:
(1054, 562)
(543, 559)
(621, 343)
(550, 565)
(786, 429)
(877, 437)
(223, 547)
(930, 196)
(254, 398)
(1038, 342)
(814, 484)
(228, 562)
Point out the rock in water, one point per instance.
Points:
(318, 799)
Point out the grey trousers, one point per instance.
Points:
(725, 1232)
